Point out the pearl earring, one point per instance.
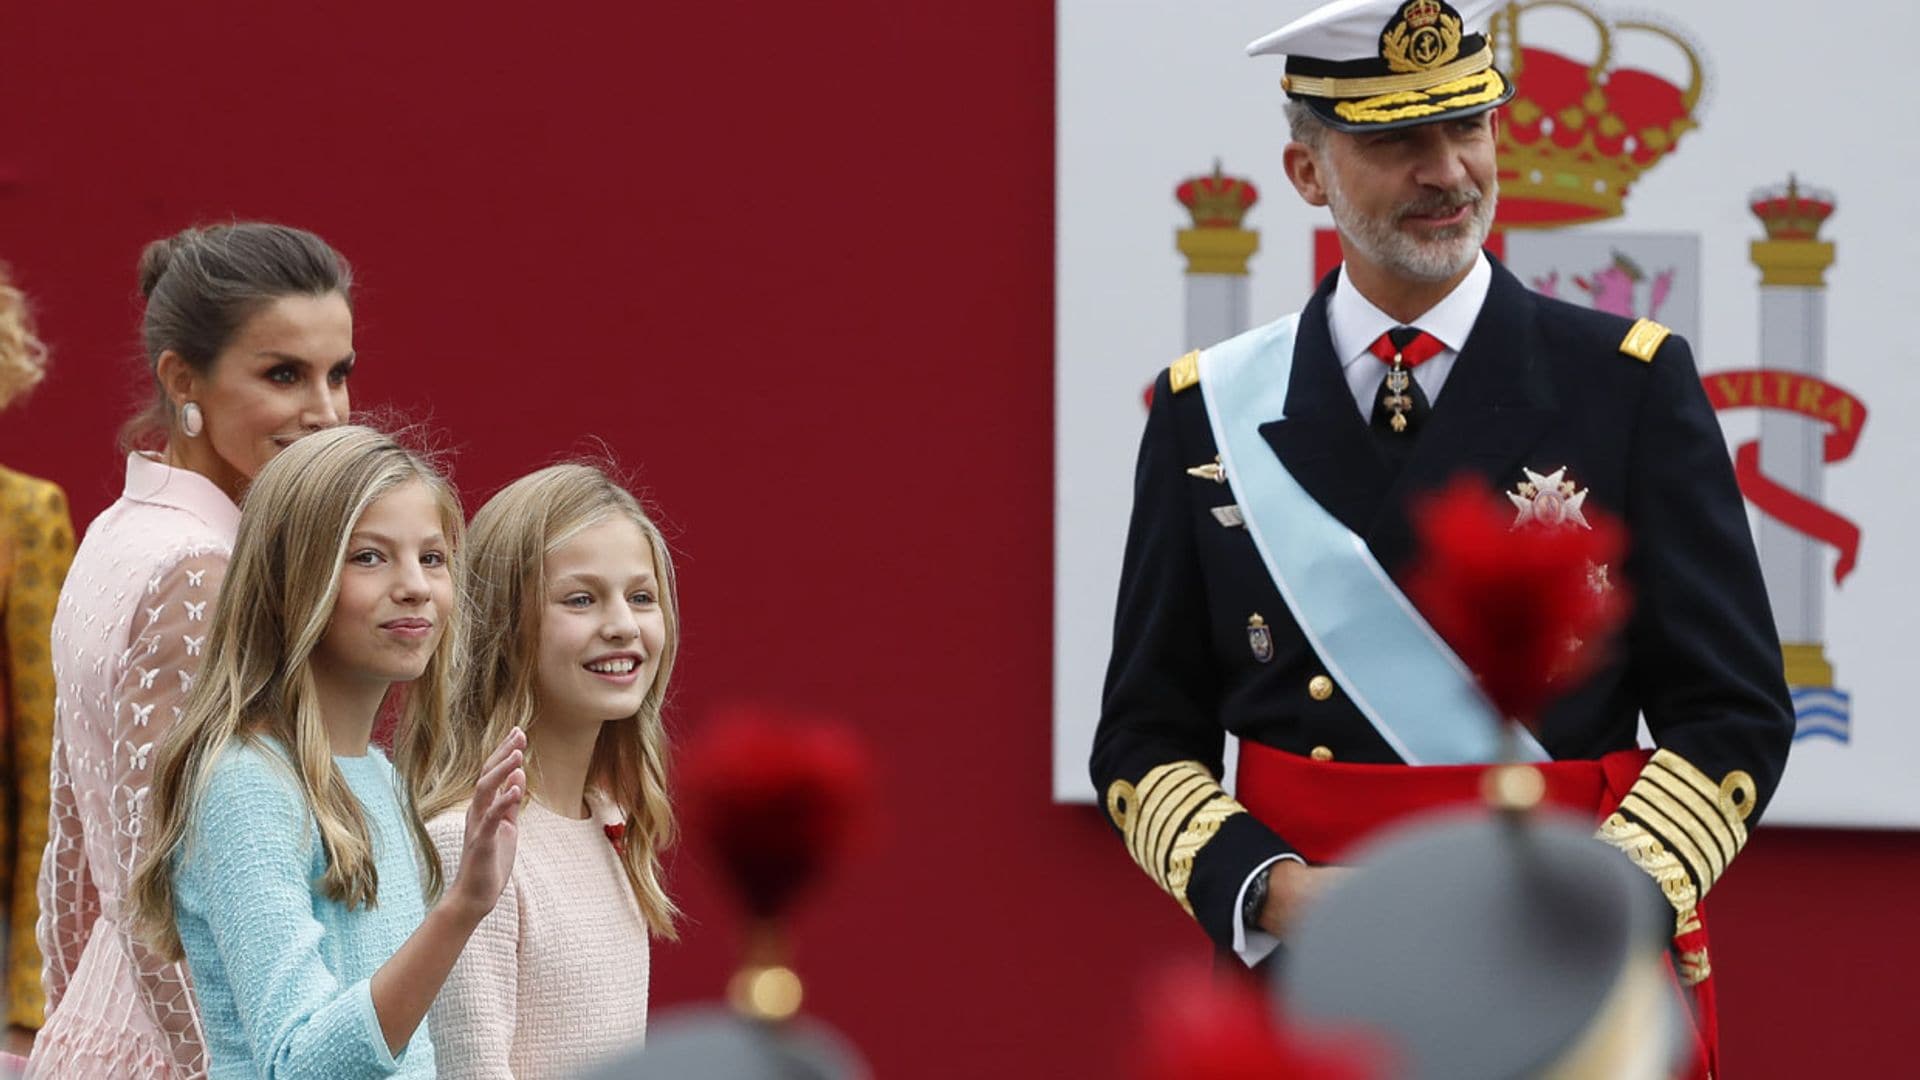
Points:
(191, 422)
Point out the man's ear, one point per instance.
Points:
(177, 378)
(1304, 169)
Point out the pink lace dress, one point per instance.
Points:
(127, 640)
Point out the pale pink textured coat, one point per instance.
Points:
(555, 979)
(127, 640)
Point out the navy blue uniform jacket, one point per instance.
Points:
(1539, 384)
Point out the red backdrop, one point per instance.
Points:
(793, 262)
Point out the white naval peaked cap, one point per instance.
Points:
(1369, 65)
(1350, 29)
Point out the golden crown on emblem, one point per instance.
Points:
(1421, 13)
(1578, 132)
(1217, 201)
(1791, 212)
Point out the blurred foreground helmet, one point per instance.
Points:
(1485, 948)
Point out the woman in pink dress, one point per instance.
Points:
(249, 338)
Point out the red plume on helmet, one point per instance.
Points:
(1526, 606)
(776, 796)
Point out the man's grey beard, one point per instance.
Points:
(1441, 256)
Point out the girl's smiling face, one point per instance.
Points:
(396, 591)
(602, 626)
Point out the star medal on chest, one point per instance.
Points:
(1550, 500)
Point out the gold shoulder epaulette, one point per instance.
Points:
(1185, 372)
(1643, 340)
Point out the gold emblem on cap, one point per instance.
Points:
(1319, 688)
(1426, 37)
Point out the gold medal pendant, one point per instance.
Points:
(1396, 399)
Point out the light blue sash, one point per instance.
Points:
(1399, 673)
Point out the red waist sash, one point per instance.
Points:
(1326, 809)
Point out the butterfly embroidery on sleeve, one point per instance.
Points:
(186, 680)
(142, 714)
(153, 614)
(195, 577)
(195, 612)
(131, 808)
(147, 675)
(194, 643)
(137, 755)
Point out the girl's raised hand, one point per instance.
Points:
(493, 832)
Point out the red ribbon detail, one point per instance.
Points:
(1421, 349)
(1796, 511)
(1793, 392)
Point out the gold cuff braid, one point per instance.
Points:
(1167, 818)
(1650, 855)
(1701, 821)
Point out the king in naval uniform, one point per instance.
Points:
(1260, 593)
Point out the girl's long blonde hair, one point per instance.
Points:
(504, 579)
(257, 680)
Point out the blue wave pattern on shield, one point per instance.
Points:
(1822, 711)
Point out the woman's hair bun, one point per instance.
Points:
(158, 256)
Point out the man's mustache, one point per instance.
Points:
(1441, 203)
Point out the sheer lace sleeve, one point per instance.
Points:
(169, 638)
(69, 903)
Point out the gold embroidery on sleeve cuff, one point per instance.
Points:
(1651, 856)
(1167, 818)
(1697, 819)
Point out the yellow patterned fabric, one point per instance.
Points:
(1167, 818)
(36, 547)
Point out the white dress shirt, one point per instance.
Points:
(1355, 324)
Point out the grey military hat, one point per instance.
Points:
(715, 1043)
(1483, 947)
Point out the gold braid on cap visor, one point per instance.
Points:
(1477, 89)
(1370, 85)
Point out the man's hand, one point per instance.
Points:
(1291, 888)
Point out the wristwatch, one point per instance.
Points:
(1255, 899)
